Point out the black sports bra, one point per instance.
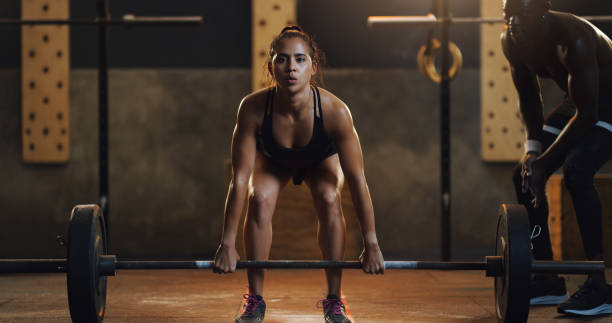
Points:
(319, 148)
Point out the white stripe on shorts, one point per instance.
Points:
(553, 130)
(604, 125)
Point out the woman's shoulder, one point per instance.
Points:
(255, 102)
(332, 106)
(336, 114)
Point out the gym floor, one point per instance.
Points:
(291, 296)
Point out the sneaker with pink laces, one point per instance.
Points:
(333, 310)
(253, 311)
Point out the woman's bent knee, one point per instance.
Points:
(331, 209)
(260, 199)
(261, 206)
(329, 199)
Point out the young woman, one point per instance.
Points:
(294, 129)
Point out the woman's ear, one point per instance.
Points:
(315, 68)
(270, 69)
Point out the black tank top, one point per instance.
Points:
(319, 148)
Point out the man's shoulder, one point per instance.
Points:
(509, 48)
(574, 29)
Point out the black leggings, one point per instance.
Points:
(579, 167)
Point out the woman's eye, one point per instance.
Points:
(300, 60)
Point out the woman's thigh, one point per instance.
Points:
(325, 182)
(266, 182)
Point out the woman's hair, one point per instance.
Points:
(316, 54)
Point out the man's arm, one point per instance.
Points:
(583, 85)
(528, 89)
(530, 106)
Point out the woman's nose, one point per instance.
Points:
(292, 64)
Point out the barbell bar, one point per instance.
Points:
(8, 266)
(127, 19)
(87, 265)
(431, 19)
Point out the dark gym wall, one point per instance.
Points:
(224, 40)
(173, 99)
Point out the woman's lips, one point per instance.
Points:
(291, 81)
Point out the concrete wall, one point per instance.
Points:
(170, 133)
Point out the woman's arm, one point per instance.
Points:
(243, 158)
(351, 160)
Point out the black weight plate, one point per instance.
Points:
(513, 242)
(86, 242)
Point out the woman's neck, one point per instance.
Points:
(293, 102)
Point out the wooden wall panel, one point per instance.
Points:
(269, 18)
(45, 83)
(564, 231)
(502, 132)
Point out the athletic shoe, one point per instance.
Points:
(253, 311)
(333, 310)
(591, 299)
(547, 290)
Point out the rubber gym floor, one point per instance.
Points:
(291, 296)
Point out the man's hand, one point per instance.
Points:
(372, 261)
(527, 168)
(534, 178)
(226, 259)
(537, 185)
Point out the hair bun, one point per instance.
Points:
(292, 28)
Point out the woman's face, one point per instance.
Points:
(292, 65)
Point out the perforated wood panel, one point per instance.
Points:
(502, 132)
(269, 18)
(45, 86)
(565, 234)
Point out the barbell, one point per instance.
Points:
(427, 53)
(127, 19)
(431, 19)
(87, 265)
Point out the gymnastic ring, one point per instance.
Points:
(427, 62)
